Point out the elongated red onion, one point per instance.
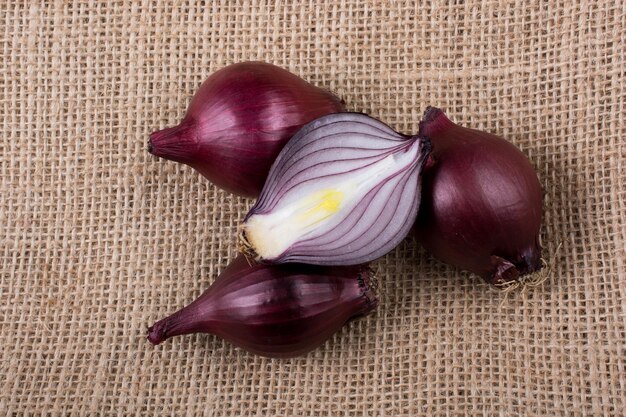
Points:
(239, 120)
(481, 202)
(345, 190)
(276, 311)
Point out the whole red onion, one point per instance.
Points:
(276, 311)
(481, 202)
(239, 120)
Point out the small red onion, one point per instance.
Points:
(481, 202)
(275, 311)
(239, 120)
(344, 191)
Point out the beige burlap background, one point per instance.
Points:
(99, 239)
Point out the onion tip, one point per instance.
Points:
(178, 143)
(434, 119)
(157, 333)
(246, 248)
(368, 282)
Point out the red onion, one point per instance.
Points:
(276, 311)
(481, 202)
(344, 190)
(239, 120)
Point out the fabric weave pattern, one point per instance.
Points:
(99, 239)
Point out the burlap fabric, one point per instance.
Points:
(99, 239)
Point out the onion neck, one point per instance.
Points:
(190, 319)
(434, 122)
(178, 143)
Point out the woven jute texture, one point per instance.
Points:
(99, 239)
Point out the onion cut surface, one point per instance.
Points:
(345, 190)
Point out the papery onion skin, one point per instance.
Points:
(274, 311)
(481, 202)
(239, 120)
(345, 190)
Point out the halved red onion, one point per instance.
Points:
(344, 190)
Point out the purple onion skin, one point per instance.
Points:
(274, 311)
(239, 120)
(481, 202)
